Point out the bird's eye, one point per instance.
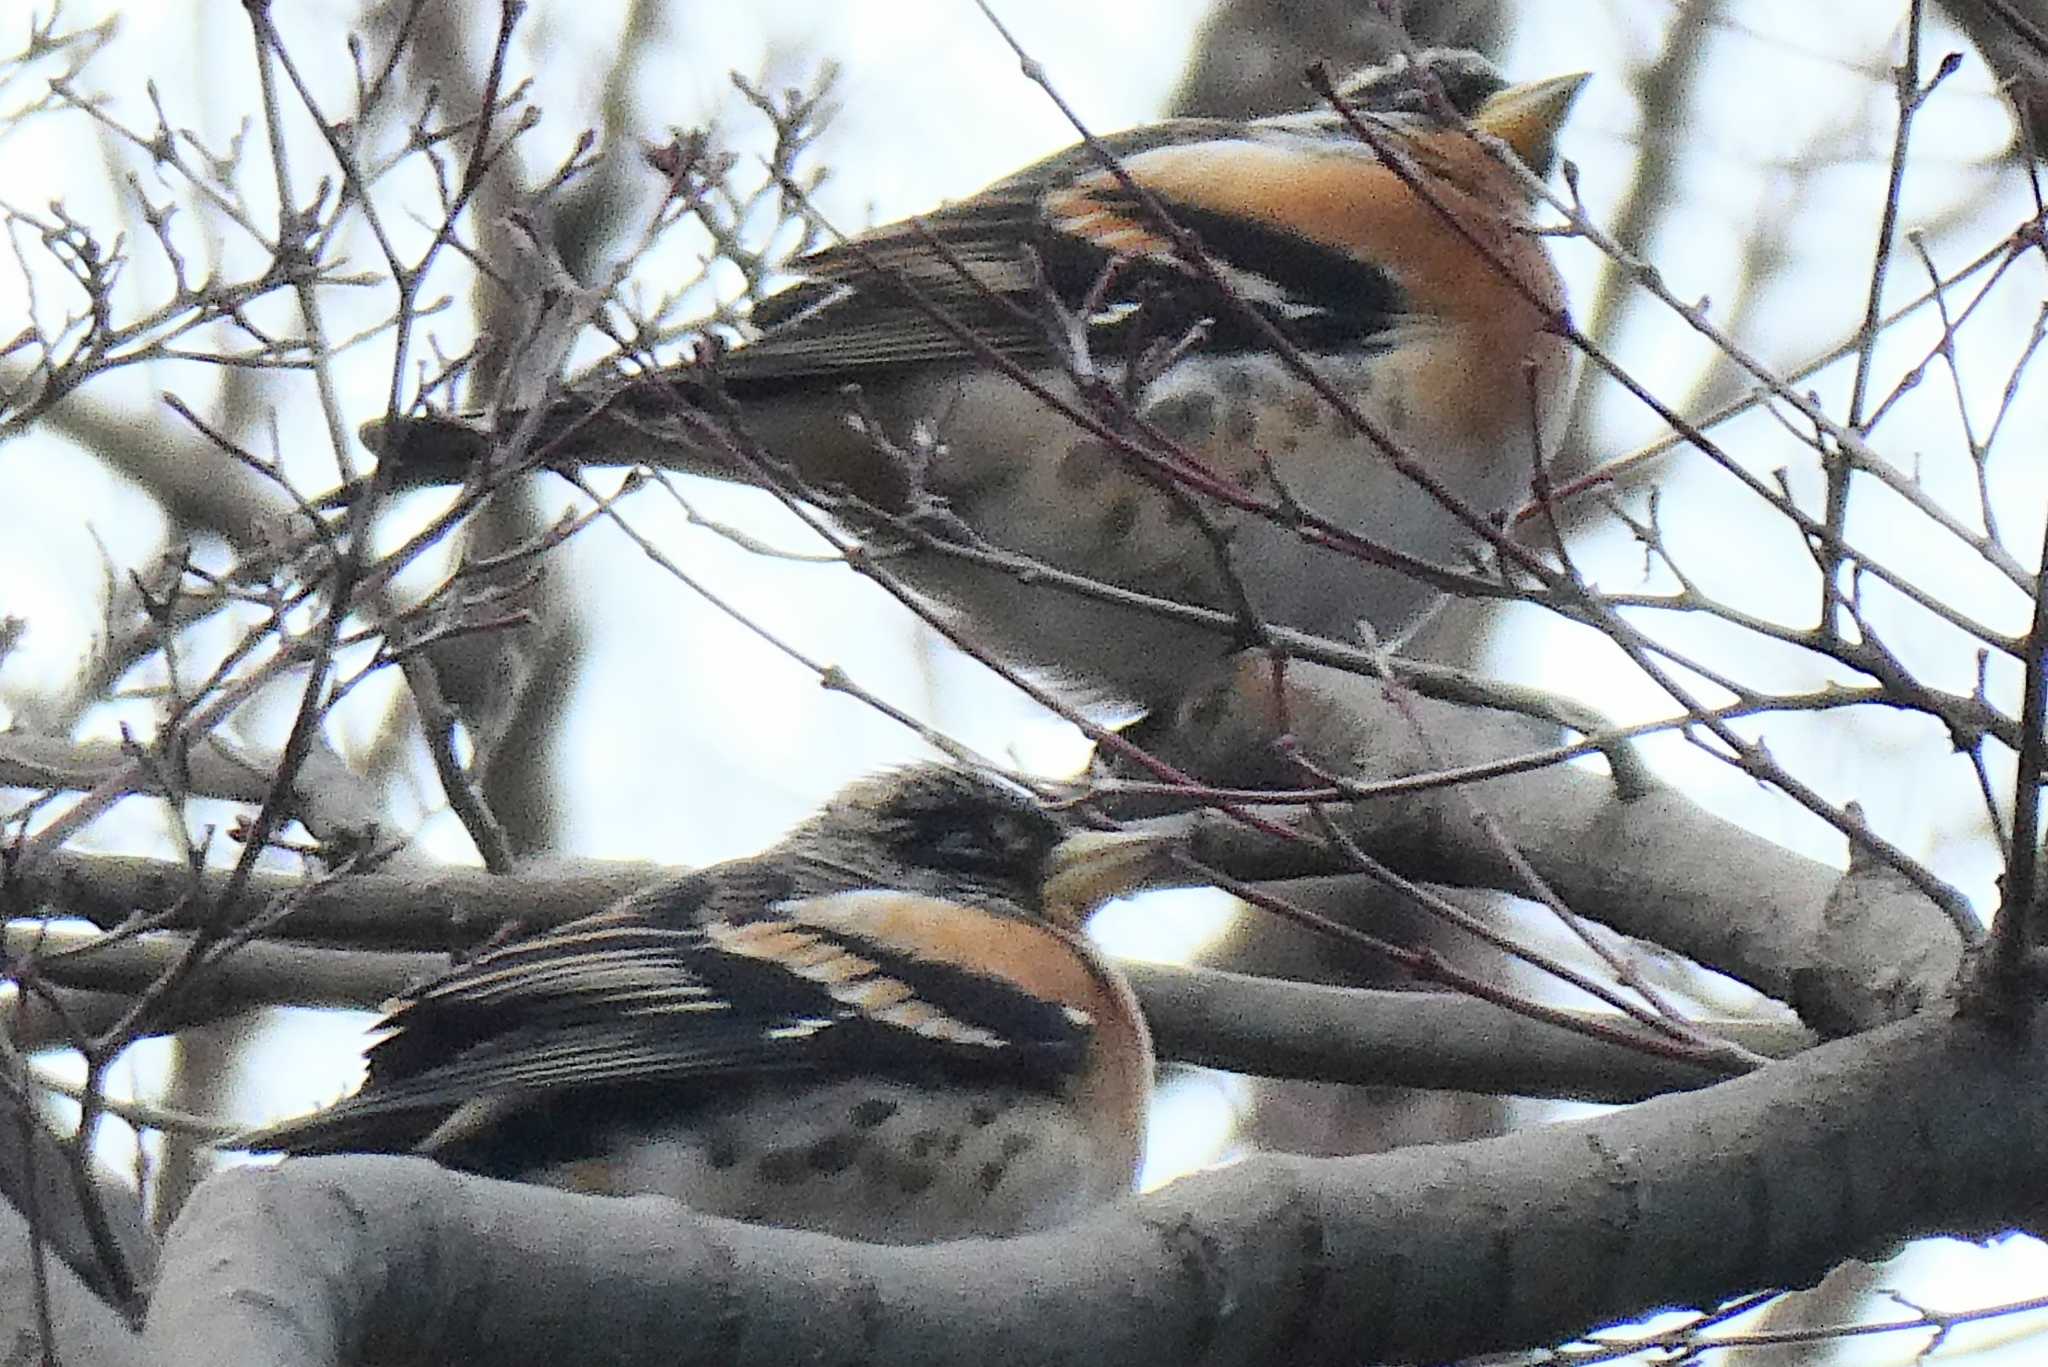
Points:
(966, 848)
(994, 845)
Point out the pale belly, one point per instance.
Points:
(871, 1159)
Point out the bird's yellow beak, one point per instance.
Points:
(1526, 117)
(1089, 868)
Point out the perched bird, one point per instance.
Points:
(886, 1027)
(1404, 266)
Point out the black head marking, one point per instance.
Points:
(942, 829)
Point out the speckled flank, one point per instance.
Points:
(991, 1173)
(1086, 464)
(780, 1167)
(1120, 518)
(1189, 418)
(870, 1113)
(1394, 409)
(1239, 383)
(879, 1160)
(1243, 425)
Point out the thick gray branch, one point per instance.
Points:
(1429, 1040)
(328, 798)
(1925, 1127)
(440, 908)
(1262, 1026)
(83, 1328)
(36, 1175)
(1655, 866)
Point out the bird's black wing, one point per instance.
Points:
(975, 278)
(642, 996)
(971, 278)
(876, 300)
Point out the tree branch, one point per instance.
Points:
(1656, 867)
(1432, 1252)
(1264, 1026)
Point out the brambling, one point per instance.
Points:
(1404, 267)
(887, 1027)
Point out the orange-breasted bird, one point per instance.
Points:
(886, 1027)
(1403, 266)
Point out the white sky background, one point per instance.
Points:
(690, 741)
